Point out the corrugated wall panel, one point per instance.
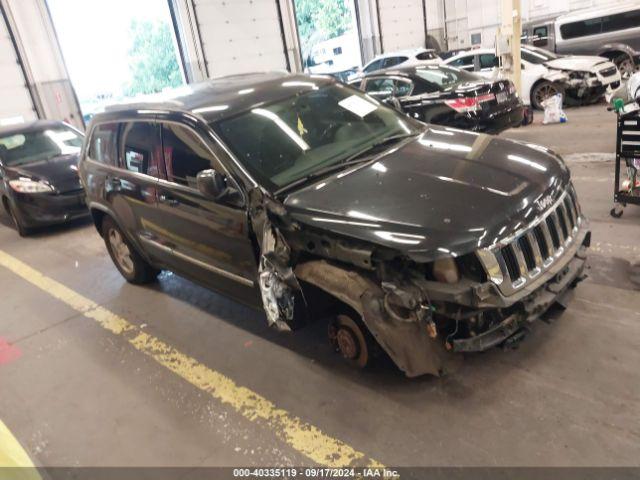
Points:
(240, 36)
(402, 24)
(16, 101)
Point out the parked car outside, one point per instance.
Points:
(537, 81)
(612, 32)
(39, 183)
(448, 96)
(307, 198)
(402, 58)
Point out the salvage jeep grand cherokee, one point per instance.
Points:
(305, 197)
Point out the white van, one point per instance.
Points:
(611, 32)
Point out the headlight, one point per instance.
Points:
(445, 270)
(490, 262)
(26, 185)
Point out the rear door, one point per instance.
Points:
(131, 188)
(208, 240)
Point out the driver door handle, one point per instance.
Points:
(168, 200)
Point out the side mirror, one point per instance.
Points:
(218, 186)
(211, 183)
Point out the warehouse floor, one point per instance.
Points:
(106, 373)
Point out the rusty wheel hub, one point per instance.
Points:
(347, 343)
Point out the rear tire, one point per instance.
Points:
(125, 257)
(541, 91)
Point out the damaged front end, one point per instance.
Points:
(422, 314)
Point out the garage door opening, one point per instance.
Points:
(117, 49)
(329, 37)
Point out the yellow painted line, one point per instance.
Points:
(307, 439)
(11, 452)
(15, 463)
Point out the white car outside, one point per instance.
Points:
(402, 58)
(537, 81)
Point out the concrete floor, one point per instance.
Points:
(79, 395)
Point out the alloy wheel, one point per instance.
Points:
(626, 68)
(544, 92)
(121, 251)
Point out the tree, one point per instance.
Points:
(152, 58)
(322, 18)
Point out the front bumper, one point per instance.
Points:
(533, 306)
(39, 210)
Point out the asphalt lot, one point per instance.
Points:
(75, 392)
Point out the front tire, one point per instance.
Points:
(541, 91)
(351, 341)
(625, 65)
(125, 257)
(23, 231)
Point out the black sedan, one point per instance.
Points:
(39, 183)
(448, 96)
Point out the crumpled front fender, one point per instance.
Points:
(408, 342)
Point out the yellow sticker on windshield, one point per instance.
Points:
(301, 129)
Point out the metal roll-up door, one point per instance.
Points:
(240, 36)
(402, 24)
(16, 101)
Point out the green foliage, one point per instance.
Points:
(322, 19)
(152, 58)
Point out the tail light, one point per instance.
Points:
(469, 104)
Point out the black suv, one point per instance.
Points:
(307, 198)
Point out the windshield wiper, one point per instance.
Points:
(354, 159)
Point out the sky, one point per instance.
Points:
(95, 41)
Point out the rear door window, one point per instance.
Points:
(403, 88)
(373, 66)
(380, 88)
(393, 61)
(488, 61)
(142, 149)
(103, 144)
(185, 155)
(465, 63)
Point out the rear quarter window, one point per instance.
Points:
(621, 21)
(426, 56)
(103, 146)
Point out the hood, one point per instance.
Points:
(578, 63)
(60, 172)
(445, 192)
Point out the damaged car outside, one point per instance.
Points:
(307, 198)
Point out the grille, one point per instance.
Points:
(533, 250)
(607, 72)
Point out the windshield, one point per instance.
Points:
(21, 148)
(442, 78)
(537, 55)
(286, 141)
